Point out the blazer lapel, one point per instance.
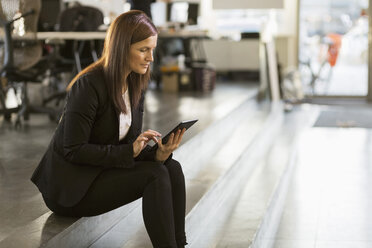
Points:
(133, 125)
(117, 122)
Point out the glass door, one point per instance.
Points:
(333, 47)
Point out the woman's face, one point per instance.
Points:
(141, 54)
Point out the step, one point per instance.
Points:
(255, 208)
(50, 230)
(198, 183)
(294, 127)
(219, 201)
(21, 201)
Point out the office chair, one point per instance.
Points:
(20, 56)
(48, 17)
(80, 19)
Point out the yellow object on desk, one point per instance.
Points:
(169, 68)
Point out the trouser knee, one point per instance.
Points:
(161, 175)
(175, 170)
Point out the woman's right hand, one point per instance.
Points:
(142, 141)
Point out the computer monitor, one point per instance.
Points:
(159, 13)
(193, 13)
(178, 12)
(183, 12)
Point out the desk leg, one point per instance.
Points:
(77, 56)
(93, 50)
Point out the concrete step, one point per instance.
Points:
(21, 203)
(50, 230)
(253, 210)
(220, 200)
(201, 179)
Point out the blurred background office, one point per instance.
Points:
(282, 90)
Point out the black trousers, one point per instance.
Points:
(162, 188)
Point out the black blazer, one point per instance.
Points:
(86, 142)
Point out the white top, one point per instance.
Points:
(125, 120)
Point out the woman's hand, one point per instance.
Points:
(142, 141)
(165, 150)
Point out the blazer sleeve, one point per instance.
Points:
(147, 154)
(80, 113)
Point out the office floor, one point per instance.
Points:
(330, 198)
(21, 149)
(328, 204)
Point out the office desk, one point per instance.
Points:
(57, 35)
(101, 35)
(185, 35)
(71, 35)
(191, 40)
(79, 39)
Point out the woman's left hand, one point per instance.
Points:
(165, 150)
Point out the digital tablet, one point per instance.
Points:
(181, 125)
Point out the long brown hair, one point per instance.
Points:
(128, 28)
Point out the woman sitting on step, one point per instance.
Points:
(98, 159)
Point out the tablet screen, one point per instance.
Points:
(181, 125)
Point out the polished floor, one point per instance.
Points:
(22, 148)
(330, 198)
(328, 204)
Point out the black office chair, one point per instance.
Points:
(20, 56)
(80, 19)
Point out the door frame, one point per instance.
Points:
(369, 94)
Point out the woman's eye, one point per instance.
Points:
(143, 50)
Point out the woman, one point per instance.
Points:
(98, 160)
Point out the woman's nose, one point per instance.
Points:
(150, 57)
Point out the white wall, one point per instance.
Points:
(227, 55)
(207, 17)
(288, 25)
